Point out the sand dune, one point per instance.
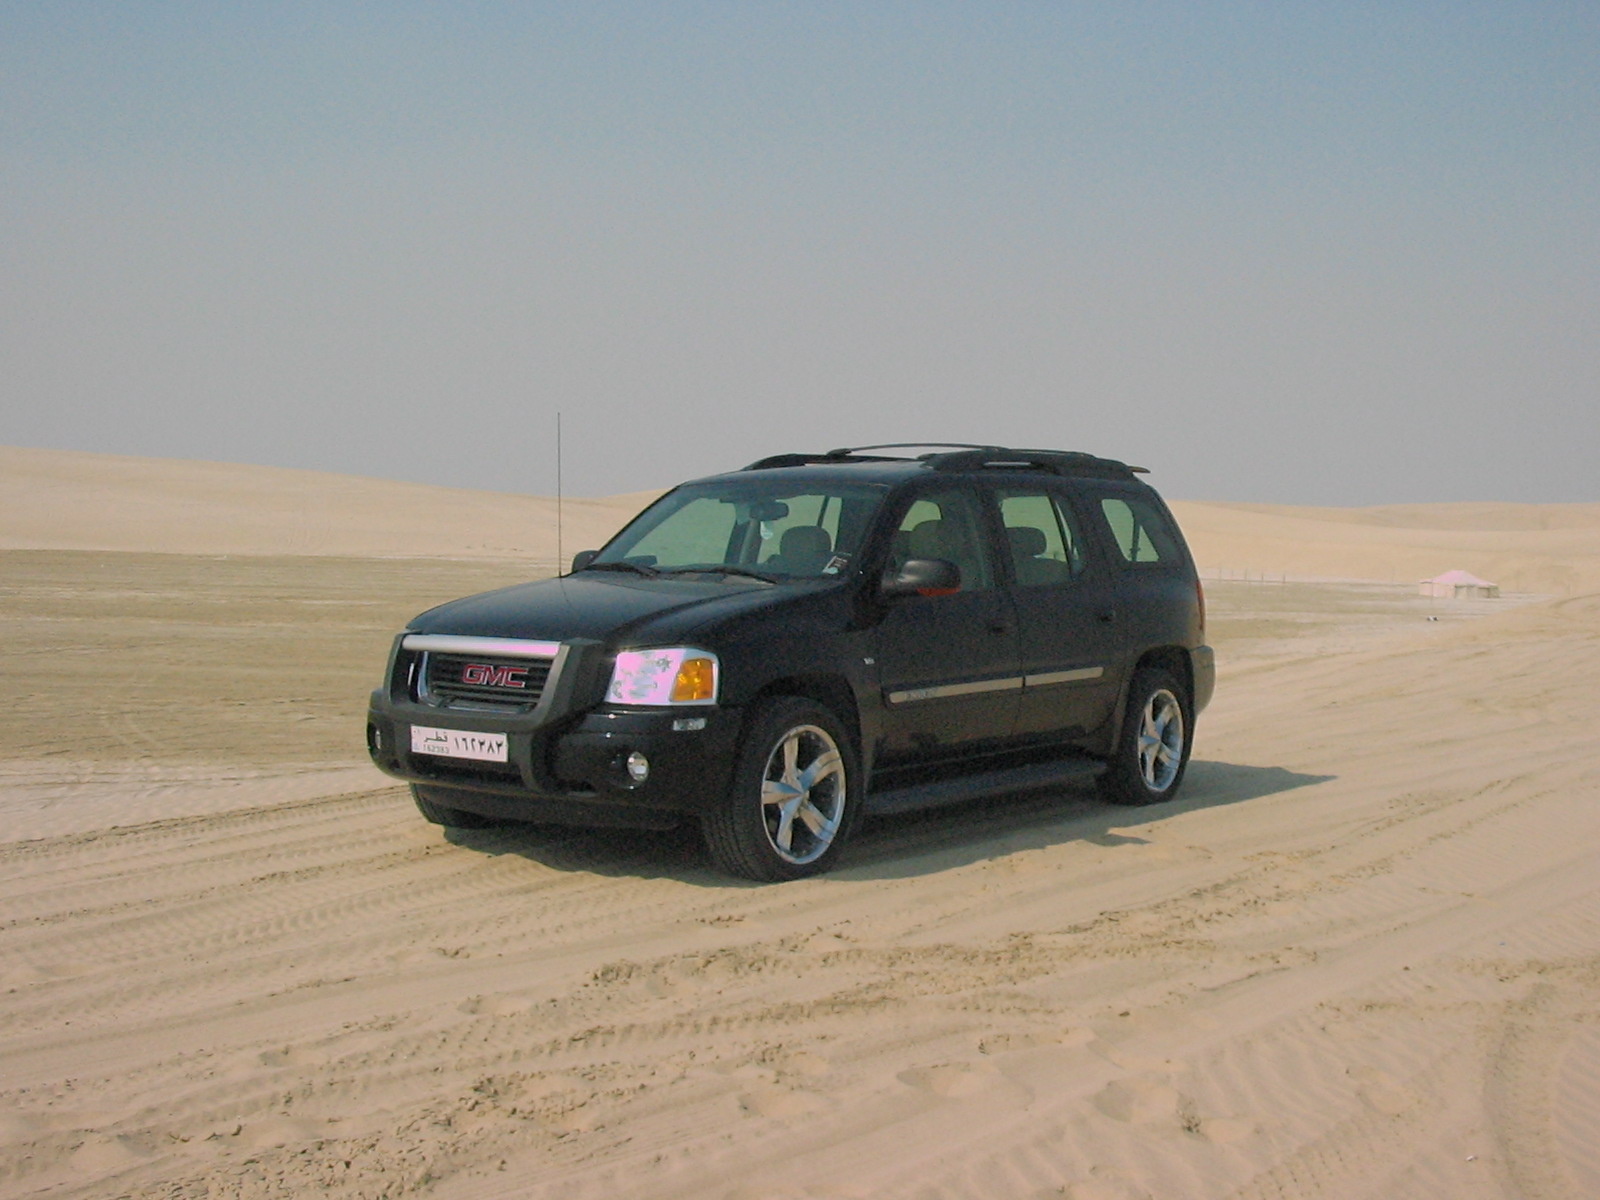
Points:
(1539, 548)
(55, 499)
(1359, 958)
(52, 499)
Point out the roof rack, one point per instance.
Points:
(963, 456)
(1059, 462)
(858, 454)
(913, 446)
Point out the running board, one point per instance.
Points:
(980, 786)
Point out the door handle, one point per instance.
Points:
(999, 627)
(1108, 614)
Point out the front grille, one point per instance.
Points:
(466, 679)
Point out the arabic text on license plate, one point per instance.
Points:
(458, 743)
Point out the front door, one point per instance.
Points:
(948, 663)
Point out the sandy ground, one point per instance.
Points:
(1359, 958)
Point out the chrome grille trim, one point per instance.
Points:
(487, 647)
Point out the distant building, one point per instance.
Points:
(1458, 584)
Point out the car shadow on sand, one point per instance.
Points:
(906, 844)
(938, 839)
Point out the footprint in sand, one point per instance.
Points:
(774, 1101)
(271, 1132)
(22, 1127)
(760, 1192)
(1140, 1101)
(1105, 1186)
(102, 1154)
(951, 1079)
(803, 1062)
(1382, 1091)
(502, 1005)
(1145, 1063)
(295, 1056)
(1034, 1039)
(1223, 1130)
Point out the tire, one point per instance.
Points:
(794, 797)
(450, 818)
(1152, 750)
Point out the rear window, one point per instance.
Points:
(1139, 530)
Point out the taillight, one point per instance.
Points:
(1200, 600)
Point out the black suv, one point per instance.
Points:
(776, 651)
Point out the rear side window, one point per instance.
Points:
(1139, 530)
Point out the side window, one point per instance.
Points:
(1138, 530)
(1041, 537)
(945, 525)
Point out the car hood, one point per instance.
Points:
(615, 609)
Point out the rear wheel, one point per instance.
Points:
(450, 818)
(1152, 750)
(793, 798)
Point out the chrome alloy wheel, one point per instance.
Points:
(1160, 740)
(803, 792)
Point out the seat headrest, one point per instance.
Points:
(807, 541)
(1026, 541)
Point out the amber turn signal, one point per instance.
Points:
(697, 680)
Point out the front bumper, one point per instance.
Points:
(565, 771)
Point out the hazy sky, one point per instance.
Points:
(1329, 253)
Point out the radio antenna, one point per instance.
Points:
(560, 557)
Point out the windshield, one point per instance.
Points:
(762, 527)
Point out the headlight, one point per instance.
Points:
(678, 675)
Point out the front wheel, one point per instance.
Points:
(1152, 750)
(793, 797)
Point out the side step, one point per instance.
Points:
(980, 786)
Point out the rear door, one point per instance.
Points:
(1154, 575)
(1069, 623)
(948, 664)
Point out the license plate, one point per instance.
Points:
(458, 743)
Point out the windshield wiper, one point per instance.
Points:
(623, 564)
(722, 569)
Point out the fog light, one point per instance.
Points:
(638, 767)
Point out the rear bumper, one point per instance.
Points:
(1203, 663)
(577, 771)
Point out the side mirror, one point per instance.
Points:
(924, 577)
(582, 559)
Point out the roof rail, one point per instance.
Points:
(840, 453)
(1059, 462)
(791, 460)
(963, 456)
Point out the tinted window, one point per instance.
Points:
(945, 525)
(1044, 546)
(1139, 530)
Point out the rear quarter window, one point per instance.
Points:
(1139, 530)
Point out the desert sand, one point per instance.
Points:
(1360, 957)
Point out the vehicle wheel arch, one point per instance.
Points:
(831, 691)
(1172, 659)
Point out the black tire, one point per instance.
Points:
(1152, 751)
(794, 797)
(450, 818)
